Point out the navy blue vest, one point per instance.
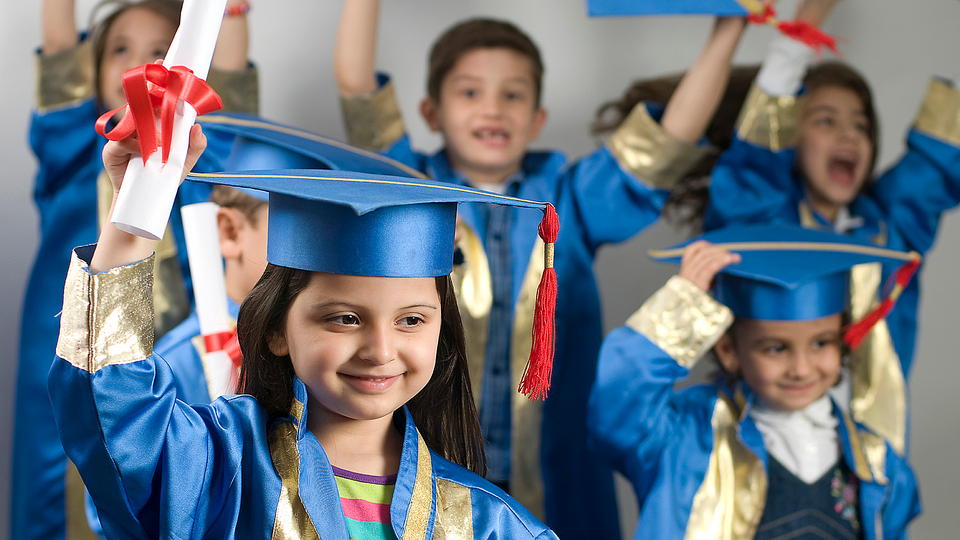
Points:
(828, 508)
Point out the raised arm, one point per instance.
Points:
(696, 98)
(356, 48)
(59, 26)
(233, 43)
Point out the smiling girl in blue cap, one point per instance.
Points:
(765, 451)
(360, 422)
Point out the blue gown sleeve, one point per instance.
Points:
(926, 181)
(121, 423)
(620, 188)
(753, 181)
(633, 408)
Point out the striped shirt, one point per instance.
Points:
(366, 504)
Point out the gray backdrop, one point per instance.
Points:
(897, 44)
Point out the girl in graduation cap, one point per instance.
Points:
(767, 450)
(359, 421)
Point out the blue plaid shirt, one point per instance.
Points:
(496, 396)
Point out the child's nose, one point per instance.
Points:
(801, 366)
(378, 347)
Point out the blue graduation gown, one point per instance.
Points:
(755, 181)
(605, 197)
(69, 160)
(695, 458)
(159, 468)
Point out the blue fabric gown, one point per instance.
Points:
(69, 160)
(159, 468)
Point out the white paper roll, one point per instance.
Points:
(206, 267)
(221, 375)
(147, 194)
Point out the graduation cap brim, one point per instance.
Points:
(608, 8)
(292, 143)
(787, 272)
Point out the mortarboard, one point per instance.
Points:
(789, 273)
(757, 11)
(261, 144)
(343, 222)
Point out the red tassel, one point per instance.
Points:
(535, 383)
(858, 331)
(226, 342)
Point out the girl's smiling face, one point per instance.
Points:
(138, 36)
(363, 346)
(788, 364)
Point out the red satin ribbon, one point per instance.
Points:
(150, 87)
(226, 342)
(801, 31)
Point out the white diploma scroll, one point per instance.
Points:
(148, 190)
(209, 291)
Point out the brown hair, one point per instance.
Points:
(688, 200)
(168, 9)
(839, 75)
(480, 33)
(443, 411)
(228, 197)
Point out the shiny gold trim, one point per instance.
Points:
(292, 521)
(730, 501)
(650, 154)
(939, 115)
(682, 319)
(421, 500)
(170, 303)
(768, 121)
(76, 509)
(229, 120)
(860, 466)
(451, 187)
(373, 120)
(65, 78)
(797, 246)
(107, 318)
(878, 390)
(526, 476)
(239, 90)
(474, 289)
(454, 519)
(875, 453)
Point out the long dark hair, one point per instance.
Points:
(688, 200)
(443, 411)
(168, 9)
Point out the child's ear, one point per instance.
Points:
(229, 224)
(277, 343)
(539, 120)
(430, 113)
(726, 353)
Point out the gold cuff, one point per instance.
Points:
(939, 114)
(646, 151)
(373, 120)
(239, 90)
(107, 318)
(769, 121)
(66, 77)
(682, 320)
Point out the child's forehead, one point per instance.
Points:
(500, 63)
(754, 329)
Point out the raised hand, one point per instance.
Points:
(702, 261)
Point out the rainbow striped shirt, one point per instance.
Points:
(366, 504)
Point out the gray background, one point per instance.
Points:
(897, 44)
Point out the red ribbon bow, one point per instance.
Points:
(226, 342)
(150, 87)
(801, 31)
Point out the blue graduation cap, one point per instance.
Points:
(363, 224)
(261, 144)
(758, 12)
(788, 273)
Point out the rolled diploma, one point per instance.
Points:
(209, 290)
(148, 190)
